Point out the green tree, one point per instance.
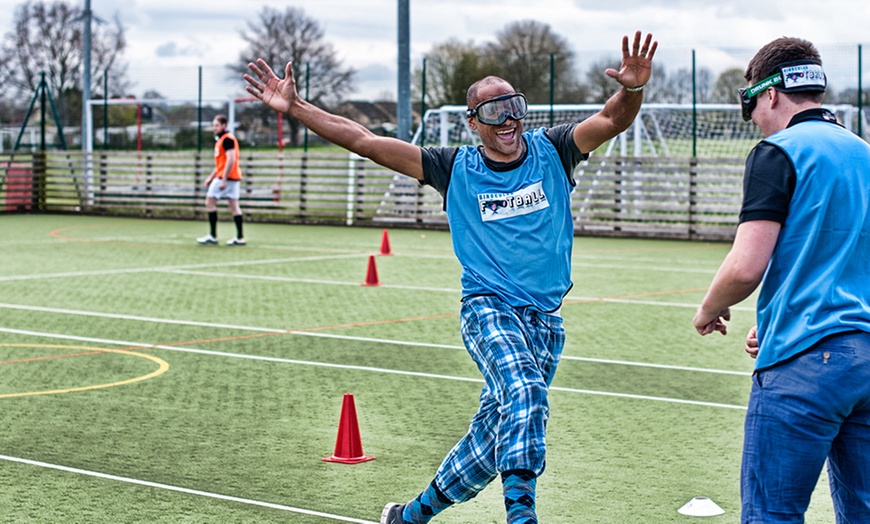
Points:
(726, 86)
(278, 37)
(451, 67)
(848, 96)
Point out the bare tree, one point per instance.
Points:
(48, 38)
(278, 37)
(531, 56)
(601, 87)
(675, 87)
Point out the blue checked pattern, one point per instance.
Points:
(517, 351)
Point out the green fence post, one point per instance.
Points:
(307, 94)
(199, 114)
(40, 162)
(694, 107)
(423, 106)
(552, 85)
(860, 96)
(106, 109)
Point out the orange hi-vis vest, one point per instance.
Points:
(220, 157)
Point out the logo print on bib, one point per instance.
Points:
(497, 206)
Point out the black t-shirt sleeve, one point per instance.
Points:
(227, 144)
(562, 137)
(768, 184)
(437, 165)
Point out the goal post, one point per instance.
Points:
(673, 130)
(227, 105)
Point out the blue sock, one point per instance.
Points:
(519, 496)
(427, 504)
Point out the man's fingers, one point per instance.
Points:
(256, 92)
(256, 70)
(652, 49)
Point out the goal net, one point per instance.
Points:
(660, 130)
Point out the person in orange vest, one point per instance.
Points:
(224, 182)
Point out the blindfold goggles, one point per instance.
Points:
(792, 77)
(496, 111)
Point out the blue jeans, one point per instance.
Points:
(801, 413)
(517, 351)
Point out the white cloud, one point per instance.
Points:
(189, 33)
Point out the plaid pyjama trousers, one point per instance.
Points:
(517, 351)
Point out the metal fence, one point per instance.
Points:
(674, 181)
(615, 196)
(183, 99)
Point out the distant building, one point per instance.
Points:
(378, 117)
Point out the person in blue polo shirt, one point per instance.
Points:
(804, 236)
(508, 206)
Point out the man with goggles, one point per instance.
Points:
(496, 111)
(509, 209)
(804, 237)
(792, 77)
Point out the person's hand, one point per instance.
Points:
(752, 342)
(706, 323)
(636, 67)
(277, 94)
(223, 184)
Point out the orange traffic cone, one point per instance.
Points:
(385, 244)
(372, 273)
(348, 445)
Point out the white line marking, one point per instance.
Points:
(658, 366)
(347, 337)
(642, 267)
(646, 397)
(638, 302)
(354, 368)
(303, 280)
(188, 491)
(103, 272)
(119, 316)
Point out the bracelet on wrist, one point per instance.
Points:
(634, 89)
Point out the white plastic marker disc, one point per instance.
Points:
(701, 507)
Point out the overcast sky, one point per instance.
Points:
(189, 33)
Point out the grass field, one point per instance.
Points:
(144, 378)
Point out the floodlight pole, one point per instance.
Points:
(403, 108)
(86, 70)
(87, 122)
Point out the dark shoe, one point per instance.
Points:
(392, 513)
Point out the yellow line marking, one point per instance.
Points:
(163, 367)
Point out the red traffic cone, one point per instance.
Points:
(385, 244)
(348, 445)
(372, 273)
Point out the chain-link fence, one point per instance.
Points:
(171, 108)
